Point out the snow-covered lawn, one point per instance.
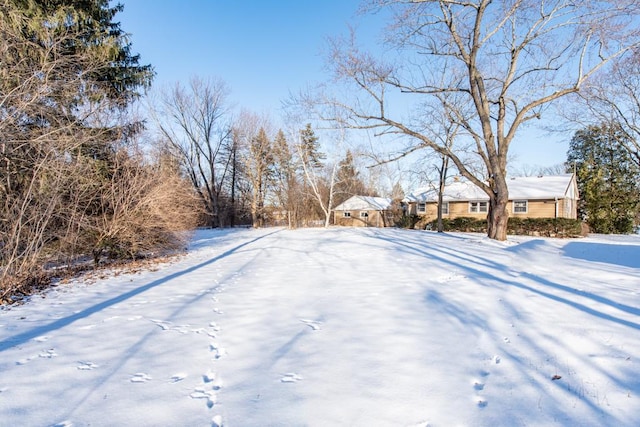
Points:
(337, 327)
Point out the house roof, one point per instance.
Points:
(525, 188)
(364, 203)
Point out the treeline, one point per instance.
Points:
(243, 169)
(82, 177)
(74, 178)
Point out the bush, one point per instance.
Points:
(549, 227)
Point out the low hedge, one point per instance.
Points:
(549, 227)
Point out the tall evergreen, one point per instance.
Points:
(608, 179)
(310, 147)
(67, 73)
(348, 180)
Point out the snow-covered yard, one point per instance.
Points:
(337, 327)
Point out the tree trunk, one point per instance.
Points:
(498, 217)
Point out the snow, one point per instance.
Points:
(344, 326)
(525, 188)
(364, 203)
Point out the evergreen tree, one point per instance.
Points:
(310, 148)
(607, 178)
(348, 181)
(285, 179)
(66, 74)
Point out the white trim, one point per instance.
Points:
(520, 212)
(478, 207)
(445, 208)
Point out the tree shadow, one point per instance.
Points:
(65, 321)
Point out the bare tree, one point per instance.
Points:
(320, 178)
(508, 60)
(615, 99)
(195, 123)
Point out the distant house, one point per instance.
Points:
(529, 197)
(364, 211)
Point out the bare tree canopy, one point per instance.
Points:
(487, 66)
(615, 99)
(195, 124)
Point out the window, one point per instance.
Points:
(520, 206)
(364, 215)
(478, 207)
(422, 207)
(445, 208)
(346, 214)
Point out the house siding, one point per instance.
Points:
(375, 219)
(535, 209)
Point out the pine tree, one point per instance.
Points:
(348, 181)
(285, 179)
(66, 74)
(310, 148)
(607, 179)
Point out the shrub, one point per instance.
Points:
(550, 227)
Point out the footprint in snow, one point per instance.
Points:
(25, 360)
(87, 366)
(219, 351)
(216, 421)
(482, 403)
(48, 354)
(210, 378)
(140, 377)
(210, 396)
(313, 324)
(290, 378)
(478, 386)
(177, 377)
(162, 324)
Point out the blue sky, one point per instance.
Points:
(262, 49)
(265, 50)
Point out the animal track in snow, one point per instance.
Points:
(200, 393)
(290, 378)
(87, 366)
(313, 324)
(216, 421)
(48, 354)
(140, 377)
(219, 351)
(210, 378)
(177, 377)
(164, 325)
(482, 403)
(478, 386)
